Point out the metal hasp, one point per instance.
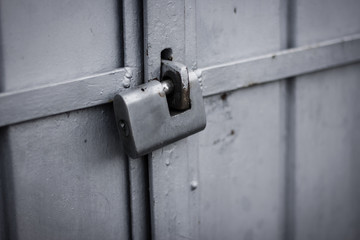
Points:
(179, 99)
(158, 113)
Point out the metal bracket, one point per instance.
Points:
(177, 73)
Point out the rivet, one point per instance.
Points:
(128, 72)
(126, 82)
(127, 77)
(194, 185)
(198, 73)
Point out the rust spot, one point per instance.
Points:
(85, 140)
(235, 10)
(216, 141)
(251, 84)
(232, 132)
(223, 96)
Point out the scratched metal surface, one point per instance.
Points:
(64, 177)
(243, 163)
(240, 159)
(327, 154)
(195, 192)
(326, 128)
(39, 43)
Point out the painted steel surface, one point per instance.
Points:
(101, 88)
(64, 176)
(258, 171)
(276, 161)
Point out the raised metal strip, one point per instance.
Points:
(98, 89)
(52, 99)
(283, 64)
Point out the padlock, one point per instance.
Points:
(158, 113)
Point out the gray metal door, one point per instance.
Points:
(279, 156)
(63, 176)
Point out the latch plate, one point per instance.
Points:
(179, 99)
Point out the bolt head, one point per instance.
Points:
(194, 185)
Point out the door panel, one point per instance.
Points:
(247, 161)
(232, 30)
(53, 41)
(178, 211)
(327, 154)
(324, 19)
(241, 176)
(68, 177)
(64, 176)
(240, 161)
(326, 114)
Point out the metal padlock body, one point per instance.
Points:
(144, 121)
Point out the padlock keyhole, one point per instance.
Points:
(124, 127)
